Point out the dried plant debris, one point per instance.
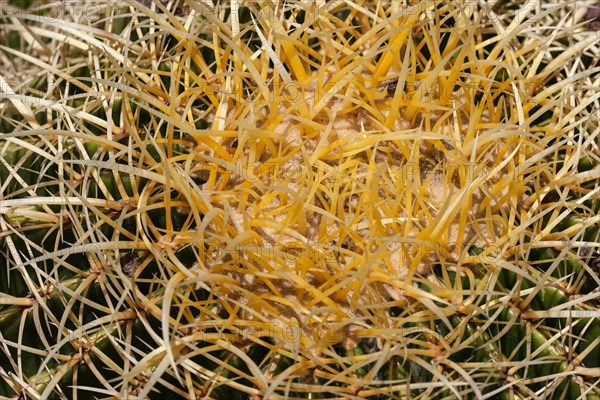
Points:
(593, 17)
(130, 262)
(592, 258)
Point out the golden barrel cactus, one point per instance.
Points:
(299, 199)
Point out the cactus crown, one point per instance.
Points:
(299, 200)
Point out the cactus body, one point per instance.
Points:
(299, 200)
